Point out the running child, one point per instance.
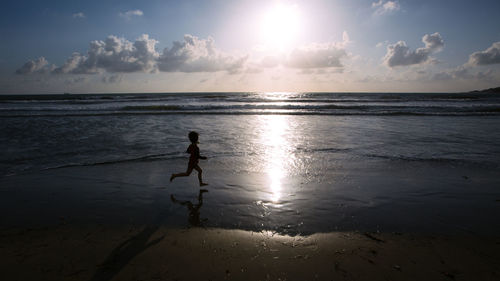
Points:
(194, 152)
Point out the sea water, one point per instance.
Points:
(290, 162)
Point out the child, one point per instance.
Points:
(193, 159)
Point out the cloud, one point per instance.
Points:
(112, 79)
(312, 56)
(463, 72)
(132, 13)
(40, 65)
(385, 8)
(118, 55)
(317, 56)
(345, 38)
(198, 55)
(114, 55)
(400, 55)
(75, 80)
(79, 15)
(271, 61)
(487, 57)
(433, 42)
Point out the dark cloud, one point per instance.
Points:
(487, 57)
(400, 55)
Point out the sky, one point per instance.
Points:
(246, 46)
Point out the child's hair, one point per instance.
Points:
(193, 136)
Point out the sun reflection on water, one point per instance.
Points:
(276, 147)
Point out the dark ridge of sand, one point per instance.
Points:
(101, 252)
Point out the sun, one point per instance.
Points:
(280, 26)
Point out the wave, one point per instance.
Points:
(263, 106)
(250, 96)
(270, 112)
(443, 160)
(250, 104)
(152, 107)
(146, 158)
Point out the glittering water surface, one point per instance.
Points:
(295, 163)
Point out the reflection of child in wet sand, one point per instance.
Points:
(194, 210)
(193, 159)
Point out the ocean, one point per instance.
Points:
(288, 162)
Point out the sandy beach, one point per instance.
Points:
(85, 195)
(98, 223)
(99, 252)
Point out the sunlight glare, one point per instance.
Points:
(276, 149)
(280, 27)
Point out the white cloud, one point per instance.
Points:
(400, 55)
(73, 65)
(489, 56)
(192, 54)
(385, 7)
(112, 79)
(272, 61)
(198, 55)
(114, 55)
(118, 55)
(40, 65)
(75, 80)
(129, 14)
(345, 38)
(312, 56)
(317, 56)
(377, 4)
(79, 15)
(433, 42)
(463, 72)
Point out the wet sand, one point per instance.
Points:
(101, 223)
(379, 197)
(99, 252)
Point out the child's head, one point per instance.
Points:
(193, 137)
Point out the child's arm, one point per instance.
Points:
(199, 156)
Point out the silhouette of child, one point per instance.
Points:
(193, 159)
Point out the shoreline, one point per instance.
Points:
(376, 197)
(132, 252)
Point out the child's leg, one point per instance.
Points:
(200, 171)
(187, 173)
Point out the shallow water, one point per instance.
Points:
(293, 172)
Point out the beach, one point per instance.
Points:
(99, 223)
(136, 252)
(302, 186)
